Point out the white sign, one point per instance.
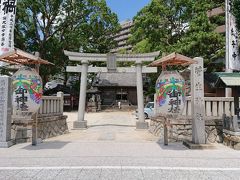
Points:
(232, 51)
(7, 22)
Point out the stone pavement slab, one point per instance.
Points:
(111, 148)
(8, 174)
(90, 174)
(69, 174)
(111, 174)
(123, 173)
(132, 174)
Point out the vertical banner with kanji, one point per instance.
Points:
(7, 21)
(232, 51)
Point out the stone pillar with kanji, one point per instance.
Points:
(5, 112)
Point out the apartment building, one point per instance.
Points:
(122, 37)
(217, 15)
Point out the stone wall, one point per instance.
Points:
(49, 126)
(180, 129)
(232, 140)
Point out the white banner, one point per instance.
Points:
(7, 22)
(232, 50)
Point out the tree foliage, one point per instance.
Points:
(181, 26)
(236, 11)
(50, 26)
(178, 25)
(159, 25)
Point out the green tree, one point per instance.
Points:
(178, 25)
(181, 26)
(159, 25)
(200, 39)
(50, 26)
(236, 11)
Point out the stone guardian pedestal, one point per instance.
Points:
(5, 112)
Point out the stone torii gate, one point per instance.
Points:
(111, 60)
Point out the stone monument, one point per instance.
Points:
(197, 102)
(5, 112)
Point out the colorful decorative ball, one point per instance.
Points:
(170, 93)
(27, 91)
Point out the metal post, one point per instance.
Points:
(141, 124)
(81, 123)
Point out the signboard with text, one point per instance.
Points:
(232, 51)
(7, 22)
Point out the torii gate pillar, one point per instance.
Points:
(141, 123)
(81, 123)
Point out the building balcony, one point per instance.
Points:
(122, 32)
(220, 29)
(121, 38)
(128, 48)
(122, 43)
(216, 11)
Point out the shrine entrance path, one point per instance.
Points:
(111, 148)
(116, 126)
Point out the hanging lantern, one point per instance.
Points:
(170, 93)
(27, 92)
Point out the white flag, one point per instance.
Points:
(232, 51)
(7, 22)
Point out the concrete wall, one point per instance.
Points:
(181, 129)
(48, 126)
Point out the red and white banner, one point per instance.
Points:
(232, 50)
(7, 22)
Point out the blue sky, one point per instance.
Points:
(126, 9)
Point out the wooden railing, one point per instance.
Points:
(214, 106)
(52, 105)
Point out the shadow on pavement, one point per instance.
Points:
(172, 146)
(47, 145)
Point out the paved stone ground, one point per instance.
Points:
(111, 148)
